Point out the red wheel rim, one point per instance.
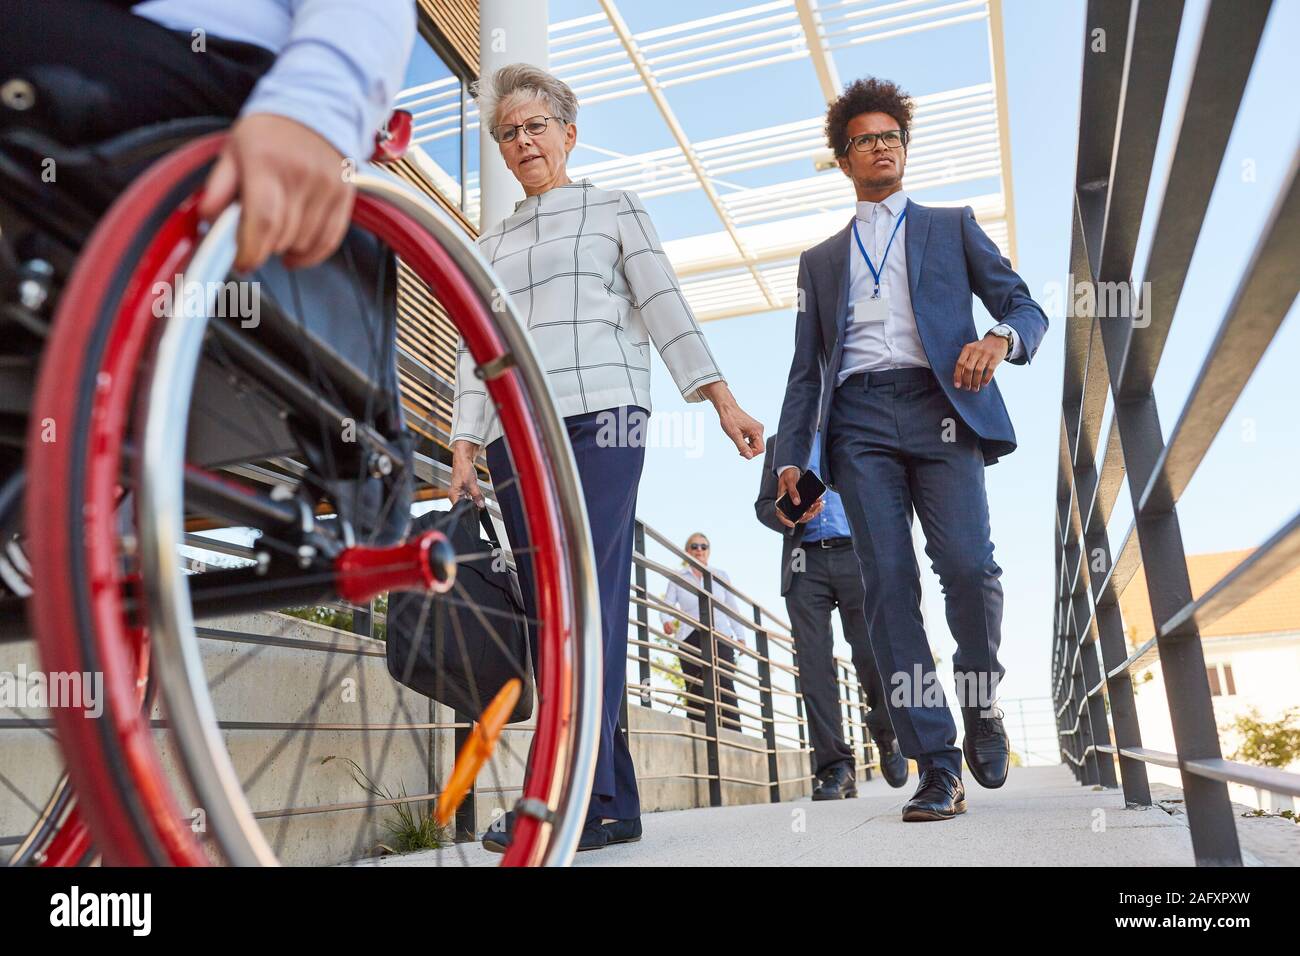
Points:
(144, 825)
(70, 843)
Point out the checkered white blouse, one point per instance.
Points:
(585, 271)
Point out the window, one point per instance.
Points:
(1220, 678)
(435, 92)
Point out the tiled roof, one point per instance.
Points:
(1276, 609)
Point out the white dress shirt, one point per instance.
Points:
(895, 342)
(687, 600)
(340, 62)
(587, 275)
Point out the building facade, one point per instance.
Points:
(1252, 661)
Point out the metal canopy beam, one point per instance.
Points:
(684, 144)
(962, 135)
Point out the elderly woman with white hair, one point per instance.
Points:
(584, 269)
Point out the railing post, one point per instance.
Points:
(1072, 724)
(363, 619)
(1103, 767)
(1098, 725)
(1065, 720)
(1073, 683)
(867, 743)
(802, 725)
(1063, 706)
(1109, 624)
(846, 709)
(1061, 743)
(467, 813)
(1024, 730)
(431, 756)
(767, 707)
(1075, 753)
(1084, 732)
(642, 616)
(708, 653)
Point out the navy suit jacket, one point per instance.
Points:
(948, 258)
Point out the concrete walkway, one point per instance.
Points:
(1042, 817)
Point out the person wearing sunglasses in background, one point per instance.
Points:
(306, 82)
(687, 600)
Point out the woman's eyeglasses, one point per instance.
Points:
(892, 138)
(533, 126)
(697, 546)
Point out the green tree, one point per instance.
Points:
(1268, 743)
(339, 618)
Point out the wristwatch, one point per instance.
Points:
(1004, 332)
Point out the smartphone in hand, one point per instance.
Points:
(810, 489)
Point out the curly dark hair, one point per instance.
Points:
(869, 95)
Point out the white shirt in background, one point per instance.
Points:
(686, 600)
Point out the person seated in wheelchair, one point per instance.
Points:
(93, 91)
(255, 417)
(306, 83)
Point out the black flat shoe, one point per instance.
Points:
(893, 765)
(623, 831)
(497, 837)
(940, 796)
(835, 783)
(594, 836)
(986, 747)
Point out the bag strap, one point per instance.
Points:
(485, 520)
(458, 513)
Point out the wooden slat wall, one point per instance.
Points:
(457, 22)
(425, 333)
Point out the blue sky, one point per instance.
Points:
(1247, 486)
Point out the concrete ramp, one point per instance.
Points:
(1042, 817)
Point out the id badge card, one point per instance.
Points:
(871, 310)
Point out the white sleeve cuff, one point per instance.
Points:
(1017, 348)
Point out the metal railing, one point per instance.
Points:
(768, 704)
(768, 716)
(1110, 357)
(769, 708)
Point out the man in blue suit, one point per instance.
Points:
(887, 359)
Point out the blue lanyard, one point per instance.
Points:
(877, 273)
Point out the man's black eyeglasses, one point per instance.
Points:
(866, 142)
(534, 126)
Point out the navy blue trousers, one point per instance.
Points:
(897, 446)
(609, 475)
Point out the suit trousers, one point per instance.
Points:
(725, 658)
(898, 446)
(830, 579)
(609, 474)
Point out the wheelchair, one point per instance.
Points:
(148, 414)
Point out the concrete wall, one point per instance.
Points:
(30, 765)
(671, 763)
(318, 675)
